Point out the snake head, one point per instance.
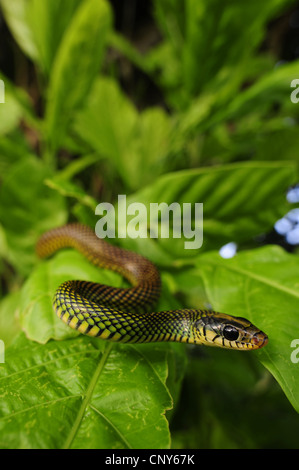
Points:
(227, 331)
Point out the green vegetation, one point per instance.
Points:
(209, 119)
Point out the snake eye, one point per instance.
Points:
(230, 333)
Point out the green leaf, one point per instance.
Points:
(38, 27)
(16, 106)
(274, 87)
(70, 189)
(136, 143)
(83, 43)
(127, 412)
(261, 285)
(84, 393)
(190, 25)
(218, 105)
(281, 143)
(9, 324)
(48, 22)
(16, 15)
(10, 114)
(27, 209)
(13, 148)
(240, 201)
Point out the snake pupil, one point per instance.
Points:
(230, 333)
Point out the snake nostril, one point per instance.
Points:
(260, 339)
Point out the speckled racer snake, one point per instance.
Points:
(117, 314)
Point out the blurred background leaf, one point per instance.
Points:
(232, 193)
(203, 40)
(83, 41)
(30, 213)
(135, 143)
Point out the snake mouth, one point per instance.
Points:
(259, 340)
(256, 340)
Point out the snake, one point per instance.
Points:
(123, 314)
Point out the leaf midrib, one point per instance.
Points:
(89, 392)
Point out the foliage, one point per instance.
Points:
(225, 133)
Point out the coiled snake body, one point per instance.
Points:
(117, 314)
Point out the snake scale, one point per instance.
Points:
(118, 314)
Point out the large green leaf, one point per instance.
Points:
(84, 393)
(261, 285)
(83, 43)
(115, 394)
(240, 201)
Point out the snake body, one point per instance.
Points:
(118, 314)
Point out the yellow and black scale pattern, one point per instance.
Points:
(118, 314)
